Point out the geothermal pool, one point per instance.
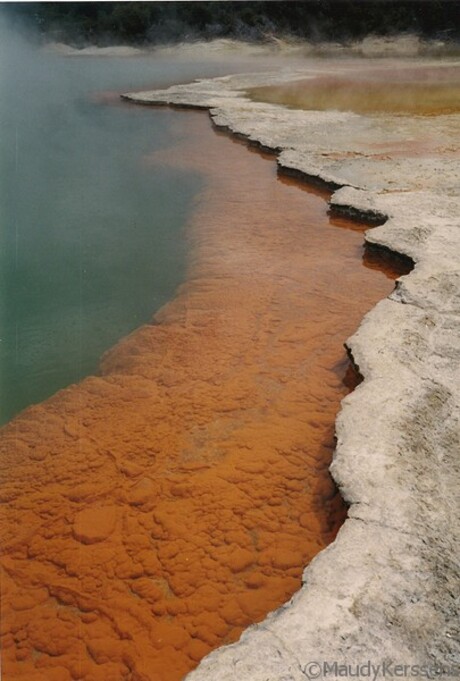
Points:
(92, 240)
(156, 510)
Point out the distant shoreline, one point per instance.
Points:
(404, 45)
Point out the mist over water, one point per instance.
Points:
(92, 238)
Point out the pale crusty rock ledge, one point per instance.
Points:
(388, 588)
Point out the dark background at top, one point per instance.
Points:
(104, 23)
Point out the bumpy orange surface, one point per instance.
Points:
(153, 512)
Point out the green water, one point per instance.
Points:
(92, 238)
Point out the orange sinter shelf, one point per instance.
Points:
(154, 511)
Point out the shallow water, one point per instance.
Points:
(391, 89)
(157, 510)
(92, 240)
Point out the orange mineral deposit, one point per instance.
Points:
(154, 511)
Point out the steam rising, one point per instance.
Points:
(91, 239)
(82, 212)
